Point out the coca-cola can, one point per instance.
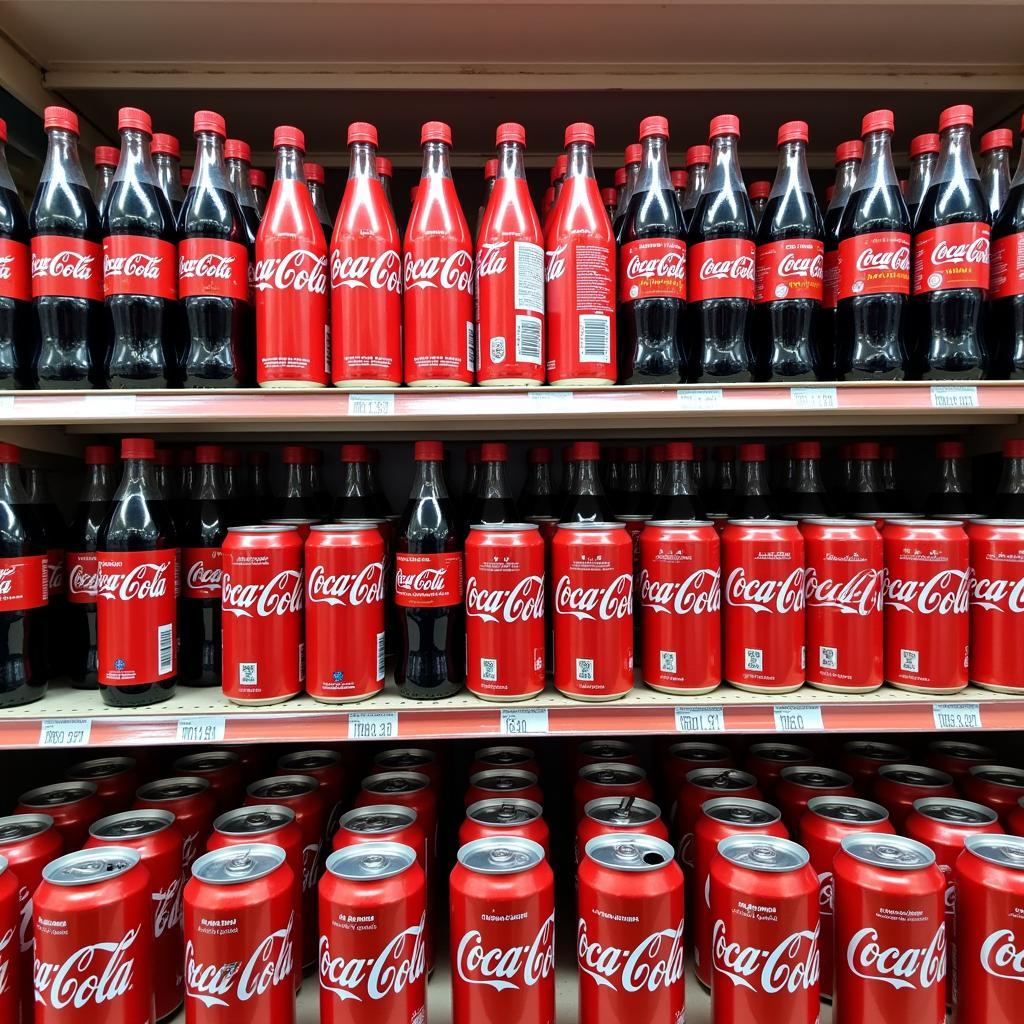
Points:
(420, 760)
(592, 571)
(344, 612)
(500, 817)
(764, 932)
(372, 947)
(73, 806)
(701, 785)
(502, 904)
(604, 751)
(997, 786)
(680, 607)
(997, 604)
(505, 611)
(890, 931)
(826, 822)
(862, 759)
(261, 611)
(502, 782)
(799, 784)
(629, 931)
(618, 815)
(240, 944)
(221, 768)
(191, 801)
(116, 779)
(720, 818)
(844, 584)
(765, 762)
(927, 590)
(598, 780)
(763, 630)
(301, 525)
(957, 757)
(679, 758)
(989, 879)
(522, 758)
(327, 768)
(11, 968)
(155, 837)
(93, 923)
(897, 786)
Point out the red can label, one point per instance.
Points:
(1007, 271)
(214, 267)
(997, 605)
(652, 268)
(722, 269)
(792, 269)
(136, 616)
(55, 572)
(23, 583)
(15, 282)
(67, 268)
(428, 581)
(202, 571)
(137, 265)
(830, 279)
(81, 570)
(874, 264)
(955, 256)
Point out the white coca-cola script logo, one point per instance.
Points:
(656, 961)
(491, 258)
(382, 272)
(1002, 956)
(7, 577)
(300, 271)
(281, 595)
(269, 965)
(998, 595)
(699, 594)
(135, 264)
(55, 576)
(453, 272)
(946, 593)
(501, 968)
(212, 266)
(860, 595)
(6, 949)
(826, 887)
(554, 263)
(523, 602)
(792, 265)
(779, 596)
(200, 576)
(885, 259)
(612, 602)
(99, 973)
(740, 268)
(74, 265)
(167, 909)
(6, 268)
(900, 968)
(143, 582)
(668, 264)
(25, 931)
(365, 587)
(966, 252)
(423, 581)
(791, 965)
(401, 962)
(82, 581)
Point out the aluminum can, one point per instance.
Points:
(73, 806)
(327, 768)
(765, 762)
(701, 785)
(501, 817)
(957, 757)
(683, 757)
(410, 759)
(11, 968)
(862, 759)
(608, 779)
(115, 778)
(605, 751)
(997, 786)
(618, 815)
(222, 769)
(522, 758)
(897, 786)
(798, 784)
(191, 801)
(501, 782)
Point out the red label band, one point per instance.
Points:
(136, 265)
(67, 268)
(877, 263)
(791, 269)
(956, 256)
(213, 267)
(202, 571)
(15, 282)
(23, 583)
(652, 268)
(1007, 271)
(830, 280)
(722, 269)
(80, 572)
(428, 581)
(55, 572)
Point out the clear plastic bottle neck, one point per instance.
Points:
(876, 169)
(209, 482)
(889, 474)
(632, 176)
(921, 168)
(492, 481)
(62, 163)
(6, 181)
(138, 477)
(586, 478)
(99, 483)
(436, 161)
(806, 477)
(680, 478)
(538, 481)
(995, 176)
(355, 480)
(429, 481)
(511, 163)
(168, 176)
(1018, 177)
(136, 163)
(296, 481)
(846, 178)
(362, 161)
(209, 170)
(37, 488)
(725, 475)
(654, 175)
(580, 160)
(724, 172)
(1011, 480)
(288, 164)
(956, 159)
(952, 477)
(238, 175)
(259, 481)
(752, 479)
(12, 490)
(631, 478)
(865, 476)
(792, 171)
(695, 185)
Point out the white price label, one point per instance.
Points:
(700, 719)
(549, 399)
(6, 403)
(814, 398)
(957, 716)
(524, 721)
(700, 398)
(372, 725)
(201, 729)
(954, 396)
(108, 403)
(371, 405)
(798, 718)
(65, 732)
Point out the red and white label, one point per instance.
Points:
(652, 268)
(23, 583)
(830, 279)
(213, 267)
(55, 572)
(80, 568)
(137, 265)
(899, 968)
(280, 595)
(1002, 956)
(946, 593)
(655, 962)
(606, 603)
(789, 966)
(502, 969)
(791, 269)
(15, 281)
(400, 963)
(779, 596)
(428, 581)
(698, 593)
(67, 267)
(202, 572)
(350, 590)
(522, 603)
(877, 263)
(1007, 270)
(722, 269)
(861, 594)
(93, 976)
(955, 256)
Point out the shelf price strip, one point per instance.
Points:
(798, 718)
(200, 729)
(957, 716)
(700, 719)
(65, 732)
(371, 405)
(524, 721)
(372, 725)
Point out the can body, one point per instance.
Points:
(899, 785)
(506, 816)
(74, 806)
(190, 801)
(701, 785)
(11, 974)
(115, 778)
(997, 605)
(999, 787)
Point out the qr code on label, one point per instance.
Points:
(585, 670)
(909, 661)
(489, 669)
(753, 659)
(828, 657)
(667, 660)
(247, 673)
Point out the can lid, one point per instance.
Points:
(404, 758)
(763, 853)
(884, 851)
(504, 811)
(206, 761)
(607, 750)
(58, 794)
(504, 780)
(612, 774)
(999, 775)
(176, 788)
(590, 527)
(501, 856)
(848, 809)
(1004, 851)
(370, 862)
(738, 810)
(629, 852)
(396, 782)
(779, 752)
(101, 768)
(504, 756)
(831, 521)
(301, 761)
(131, 824)
(85, 867)
(17, 827)
(982, 521)
(622, 811)
(955, 812)
(265, 528)
(915, 775)
(873, 750)
(233, 865)
(505, 527)
(255, 820)
(814, 777)
(281, 787)
(961, 750)
(720, 778)
(694, 750)
(374, 818)
(762, 524)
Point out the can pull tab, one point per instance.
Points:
(506, 812)
(258, 819)
(373, 864)
(763, 855)
(622, 812)
(240, 864)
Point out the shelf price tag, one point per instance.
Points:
(371, 405)
(700, 719)
(957, 716)
(954, 396)
(814, 398)
(200, 729)
(108, 403)
(524, 721)
(372, 725)
(6, 403)
(700, 398)
(65, 732)
(549, 399)
(798, 718)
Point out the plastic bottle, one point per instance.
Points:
(1006, 309)
(15, 282)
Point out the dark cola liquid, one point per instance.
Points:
(355, 500)
(827, 333)
(586, 501)
(1006, 315)
(15, 314)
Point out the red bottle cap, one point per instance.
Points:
(60, 117)
(104, 156)
(232, 457)
(760, 189)
(383, 166)
(209, 121)
(313, 172)
(792, 131)
(163, 457)
(655, 453)
(725, 453)
(950, 450)
(167, 144)
(877, 121)
(138, 448)
(959, 114)
(236, 149)
(851, 150)
(1013, 448)
(362, 131)
(655, 125)
(553, 173)
(561, 165)
(490, 169)
(133, 117)
(209, 455)
(608, 196)
(679, 451)
(865, 450)
(429, 451)
(634, 153)
(436, 131)
(286, 135)
(724, 124)
(537, 456)
(9, 454)
(186, 176)
(806, 450)
(3, 130)
(632, 453)
(293, 455)
(354, 453)
(185, 456)
(752, 453)
(510, 132)
(493, 452)
(698, 155)
(889, 452)
(257, 178)
(579, 131)
(587, 451)
(927, 143)
(100, 455)
(998, 138)
(472, 455)
(257, 459)
(680, 179)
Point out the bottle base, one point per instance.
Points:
(511, 382)
(834, 688)
(922, 688)
(367, 385)
(432, 383)
(439, 693)
(755, 688)
(22, 695)
(354, 699)
(290, 385)
(583, 382)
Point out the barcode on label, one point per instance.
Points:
(165, 648)
(528, 340)
(828, 657)
(955, 396)
(470, 347)
(595, 339)
(529, 278)
(247, 674)
(753, 659)
(489, 669)
(380, 657)
(667, 661)
(909, 660)
(585, 670)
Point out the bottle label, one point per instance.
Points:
(1007, 277)
(652, 268)
(955, 256)
(877, 263)
(790, 269)
(137, 265)
(202, 573)
(136, 616)
(55, 572)
(428, 581)
(213, 267)
(66, 268)
(23, 583)
(722, 269)
(830, 279)
(80, 568)
(15, 282)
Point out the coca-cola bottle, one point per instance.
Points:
(586, 501)
(105, 160)
(633, 157)
(428, 584)
(698, 160)
(258, 495)
(678, 499)
(652, 269)
(805, 495)
(751, 498)
(355, 500)
(679, 182)
(137, 572)
(538, 499)
(579, 272)
(722, 481)
(924, 154)
(67, 264)
(995, 150)
(490, 174)
(951, 259)
(166, 151)
(558, 175)
(53, 533)
(236, 160)
(493, 503)
(950, 494)
(873, 292)
(293, 336)
(610, 200)
(547, 202)
(182, 480)
(213, 267)
(297, 501)
(1006, 309)
(759, 192)
(633, 497)
(470, 479)
(384, 172)
(620, 187)
(1009, 497)
(381, 504)
(314, 173)
(890, 486)
(204, 531)
(15, 282)
(720, 282)
(865, 492)
(258, 181)
(366, 275)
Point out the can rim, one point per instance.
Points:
(925, 803)
(44, 820)
(410, 813)
(591, 807)
(931, 524)
(631, 840)
(533, 852)
(774, 814)
(977, 769)
(353, 526)
(765, 523)
(264, 528)
(143, 793)
(504, 527)
(831, 521)
(522, 803)
(801, 858)
(403, 858)
(980, 846)
(90, 788)
(634, 770)
(591, 527)
(850, 843)
(817, 802)
(275, 856)
(166, 818)
(128, 857)
(939, 777)
(307, 781)
(988, 521)
(680, 524)
(221, 822)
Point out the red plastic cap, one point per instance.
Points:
(436, 131)
(853, 149)
(209, 455)
(167, 144)
(553, 173)
(633, 453)
(362, 131)
(760, 189)
(561, 165)
(587, 451)
(293, 455)
(472, 455)
(655, 453)
(3, 130)
(724, 124)
(950, 450)
(680, 179)
(313, 172)
(927, 143)
(138, 448)
(354, 453)
(679, 451)
(134, 118)
(232, 457)
(383, 167)
(185, 456)
(725, 453)
(493, 452)
(186, 176)
(877, 121)
(257, 459)
(236, 149)
(164, 457)
(865, 450)
(490, 169)
(579, 131)
(888, 452)
(510, 131)
(100, 455)
(257, 178)
(1013, 448)
(957, 115)
(792, 131)
(634, 153)
(998, 138)
(538, 456)
(9, 454)
(698, 155)
(209, 121)
(286, 135)
(429, 451)
(806, 450)
(608, 196)
(60, 117)
(105, 156)
(654, 125)
(752, 453)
